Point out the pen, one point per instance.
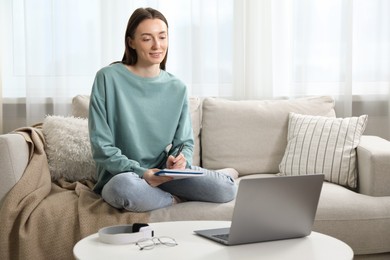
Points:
(179, 151)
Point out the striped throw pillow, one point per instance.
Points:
(325, 145)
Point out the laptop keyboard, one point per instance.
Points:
(222, 236)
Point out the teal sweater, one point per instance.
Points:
(133, 119)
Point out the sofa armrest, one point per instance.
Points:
(373, 155)
(14, 154)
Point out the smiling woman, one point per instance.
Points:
(137, 110)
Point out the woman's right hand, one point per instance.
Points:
(154, 180)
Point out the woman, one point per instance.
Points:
(137, 111)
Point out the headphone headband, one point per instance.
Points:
(125, 234)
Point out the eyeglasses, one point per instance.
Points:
(150, 243)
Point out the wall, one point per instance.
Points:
(14, 115)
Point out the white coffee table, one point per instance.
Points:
(191, 246)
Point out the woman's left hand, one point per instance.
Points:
(178, 162)
(154, 180)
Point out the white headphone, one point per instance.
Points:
(125, 234)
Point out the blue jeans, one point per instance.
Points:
(128, 191)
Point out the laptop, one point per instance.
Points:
(271, 208)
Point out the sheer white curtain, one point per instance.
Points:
(286, 48)
(53, 48)
(252, 49)
(2, 50)
(1, 96)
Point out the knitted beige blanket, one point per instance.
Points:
(44, 220)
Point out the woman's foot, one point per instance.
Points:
(176, 200)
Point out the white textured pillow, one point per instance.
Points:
(325, 145)
(68, 148)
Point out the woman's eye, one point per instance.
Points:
(146, 39)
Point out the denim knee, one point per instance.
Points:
(128, 191)
(115, 192)
(225, 193)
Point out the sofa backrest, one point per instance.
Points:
(251, 136)
(248, 135)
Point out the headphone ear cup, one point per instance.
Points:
(138, 226)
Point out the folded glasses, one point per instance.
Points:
(150, 243)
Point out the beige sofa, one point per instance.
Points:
(249, 136)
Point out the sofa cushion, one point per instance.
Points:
(196, 118)
(251, 135)
(68, 148)
(14, 155)
(360, 221)
(325, 145)
(80, 107)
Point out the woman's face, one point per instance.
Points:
(150, 42)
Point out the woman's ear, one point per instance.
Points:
(130, 43)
